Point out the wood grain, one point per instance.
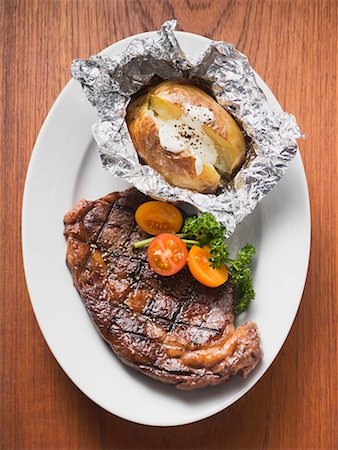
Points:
(293, 45)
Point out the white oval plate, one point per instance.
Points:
(65, 167)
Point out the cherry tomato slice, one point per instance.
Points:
(200, 268)
(158, 217)
(167, 254)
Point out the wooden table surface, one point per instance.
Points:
(293, 46)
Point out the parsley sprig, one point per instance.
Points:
(241, 277)
(206, 230)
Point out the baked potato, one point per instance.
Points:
(184, 134)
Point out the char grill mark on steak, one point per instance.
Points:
(170, 328)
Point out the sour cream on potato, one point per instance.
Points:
(187, 132)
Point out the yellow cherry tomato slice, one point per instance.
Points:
(200, 268)
(167, 254)
(158, 217)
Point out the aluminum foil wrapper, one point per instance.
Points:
(109, 83)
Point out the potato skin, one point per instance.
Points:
(179, 168)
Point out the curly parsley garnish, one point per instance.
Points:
(206, 230)
(241, 277)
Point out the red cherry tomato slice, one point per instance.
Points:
(167, 254)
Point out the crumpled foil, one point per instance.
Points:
(109, 83)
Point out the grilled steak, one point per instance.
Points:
(170, 328)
